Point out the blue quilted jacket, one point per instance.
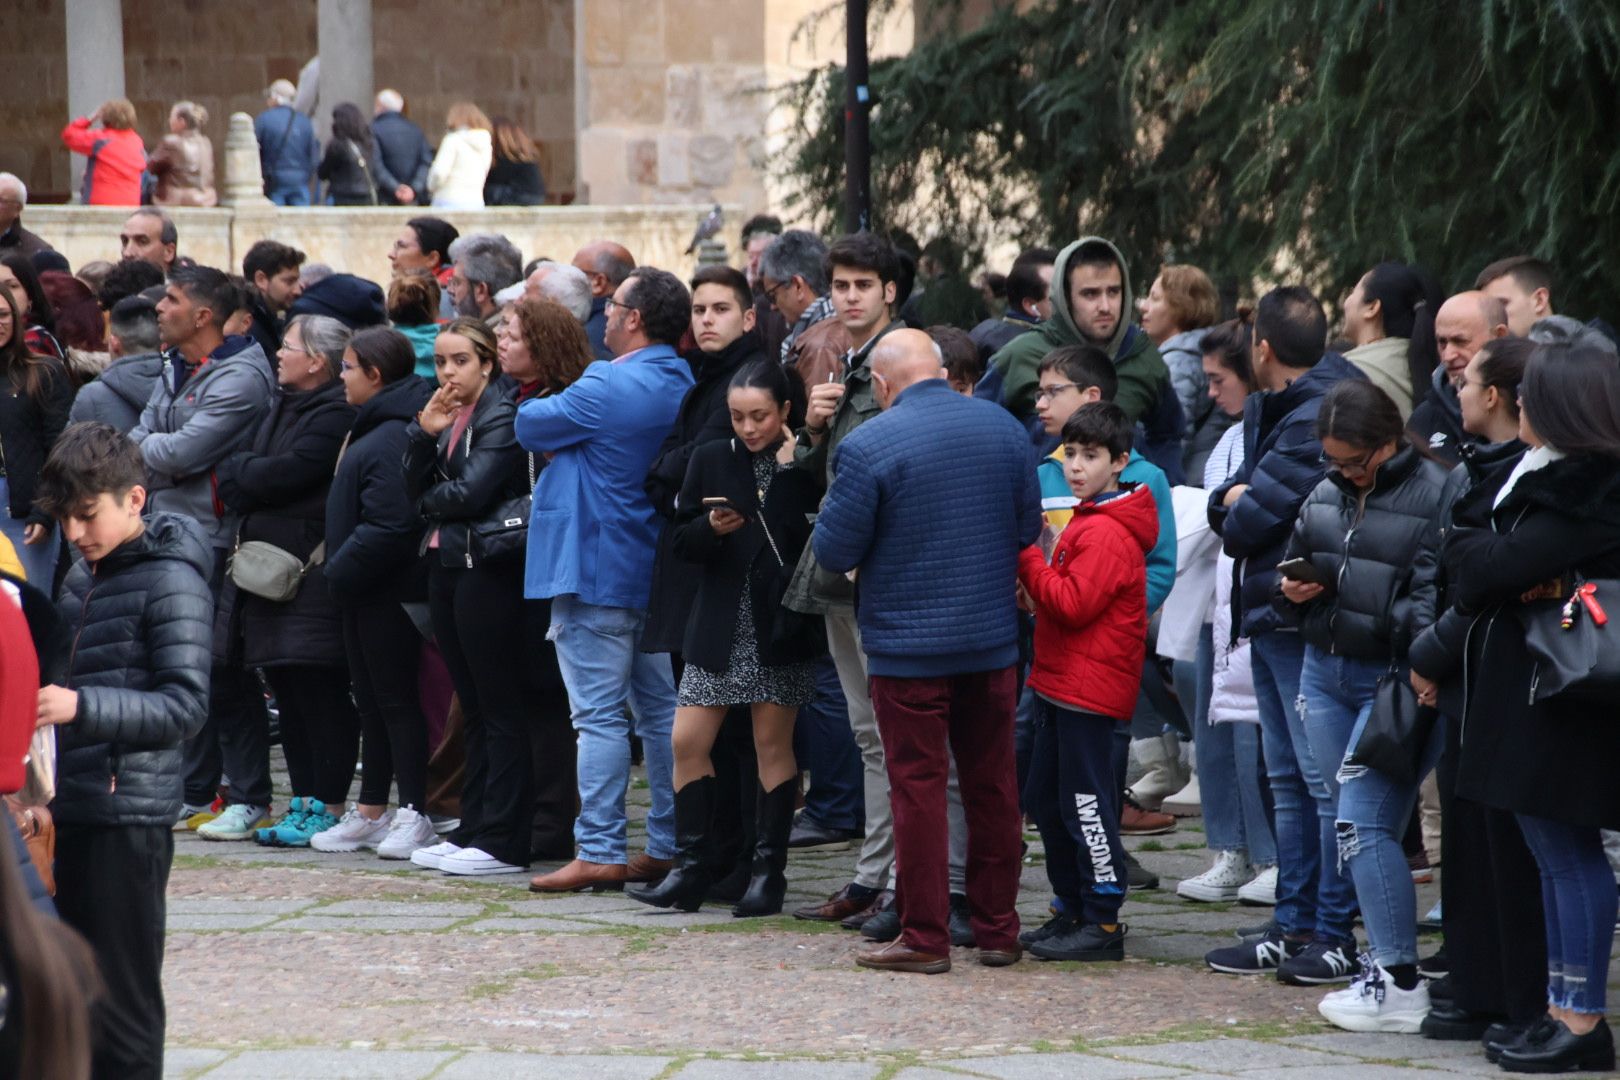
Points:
(932, 501)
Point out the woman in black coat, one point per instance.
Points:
(1556, 520)
(514, 171)
(737, 647)
(348, 166)
(464, 468)
(279, 487)
(32, 416)
(372, 567)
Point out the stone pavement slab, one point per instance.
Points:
(330, 1065)
(1388, 1047)
(339, 922)
(399, 907)
(777, 1070)
(243, 921)
(235, 906)
(180, 1062)
(501, 924)
(492, 1066)
(1345, 1071)
(572, 904)
(1068, 1066)
(1229, 1055)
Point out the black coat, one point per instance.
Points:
(455, 486)
(514, 183)
(29, 427)
(372, 528)
(1367, 547)
(1437, 420)
(727, 469)
(279, 486)
(1553, 760)
(348, 173)
(703, 418)
(139, 662)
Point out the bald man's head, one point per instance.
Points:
(1463, 325)
(606, 264)
(901, 359)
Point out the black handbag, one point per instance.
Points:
(792, 635)
(504, 534)
(1396, 732)
(1575, 654)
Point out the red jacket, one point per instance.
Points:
(19, 695)
(1091, 605)
(112, 176)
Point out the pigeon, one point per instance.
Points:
(706, 228)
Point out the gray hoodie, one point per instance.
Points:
(193, 422)
(119, 393)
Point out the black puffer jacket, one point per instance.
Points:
(139, 661)
(1366, 544)
(372, 528)
(29, 427)
(456, 486)
(279, 486)
(1437, 421)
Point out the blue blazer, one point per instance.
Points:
(594, 531)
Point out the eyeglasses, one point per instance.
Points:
(1054, 390)
(770, 293)
(610, 302)
(1359, 465)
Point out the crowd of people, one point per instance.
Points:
(488, 535)
(384, 161)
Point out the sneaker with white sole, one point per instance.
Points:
(429, 858)
(353, 832)
(1254, 957)
(236, 823)
(444, 824)
(1321, 962)
(410, 833)
(1220, 882)
(1374, 1003)
(475, 862)
(1262, 891)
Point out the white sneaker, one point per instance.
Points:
(475, 862)
(410, 832)
(1374, 1003)
(1262, 890)
(428, 858)
(1220, 882)
(353, 832)
(236, 823)
(1188, 802)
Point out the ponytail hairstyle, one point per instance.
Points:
(773, 378)
(1408, 298)
(191, 114)
(1360, 414)
(476, 331)
(1502, 367)
(384, 350)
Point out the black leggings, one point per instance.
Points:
(383, 648)
(320, 730)
(478, 619)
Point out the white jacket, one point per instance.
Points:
(1232, 697)
(1187, 608)
(456, 178)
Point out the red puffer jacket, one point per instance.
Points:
(1091, 605)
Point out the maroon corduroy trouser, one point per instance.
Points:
(922, 721)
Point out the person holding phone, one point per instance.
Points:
(743, 517)
(1357, 538)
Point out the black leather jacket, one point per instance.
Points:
(455, 486)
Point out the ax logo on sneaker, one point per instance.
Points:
(1091, 828)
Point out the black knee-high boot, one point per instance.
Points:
(774, 821)
(683, 887)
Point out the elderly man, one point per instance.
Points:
(482, 265)
(403, 155)
(793, 276)
(567, 285)
(13, 237)
(150, 234)
(1463, 324)
(288, 150)
(606, 265)
(934, 536)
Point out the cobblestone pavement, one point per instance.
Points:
(296, 964)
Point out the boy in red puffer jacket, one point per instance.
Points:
(1090, 628)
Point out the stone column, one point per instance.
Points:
(344, 43)
(95, 62)
(244, 181)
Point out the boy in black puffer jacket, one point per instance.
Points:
(139, 612)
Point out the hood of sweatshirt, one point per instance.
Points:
(1133, 509)
(1061, 329)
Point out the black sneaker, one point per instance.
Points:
(1257, 931)
(1138, 876)
(1085, 943)
(1056, 926)
(1253, 957)
(1320, 963)
(884, 926)
(1436, 966)
(961, 922)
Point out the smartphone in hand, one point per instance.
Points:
(720, 502)
(1302, 570)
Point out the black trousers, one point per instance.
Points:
(552, 741)
(384, 648)
(320, 730)
(475, 614)
(110, 884)
(236, 736)
(1073, 793)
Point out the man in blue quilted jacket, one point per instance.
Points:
(933, 535)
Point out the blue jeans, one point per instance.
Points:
(1276, 658)
(824, 745)
(604, 672)
(1373, 814)
(290, 195)
(38, 560)
(1335, 696)
(1578, 895)
(1229, 777)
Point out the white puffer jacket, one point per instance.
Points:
(459, 168)
(1232, 698)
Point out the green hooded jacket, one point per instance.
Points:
(1142, 371)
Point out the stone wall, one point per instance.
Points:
(358, 240)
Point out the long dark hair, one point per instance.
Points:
(1360, 414)
(1408, 298)
(1571, 394)
(384, 350)
(349, 123)
(40, 312)
(1230, 343)
(27, 372)
(1503, 367)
